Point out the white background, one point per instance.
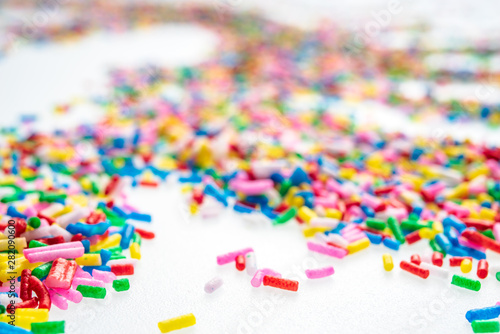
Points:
(359, 297)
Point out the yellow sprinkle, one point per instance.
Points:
(358, 245)
(481, 170)
(193, 208)
(135, 251)
(64, 211)
(437, 227)
(173, 324)
(89, 260)
(40, 315)
(18, 321)
(109, 242)
(488, 214)
(186, 188)
(290, 194)
(19, 244)
(388, 263)
(80, 200)
(306, 214)
(427, 233)
(333, 213)
(466, 266)
(86, 184)
(347, 173)
(297, 201)
(311, 231)
(460, 191)
(483, 197)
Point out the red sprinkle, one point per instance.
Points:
(414, 269)
(437, 259)
(145, 234)
(122, 269)
(481, 240)
(240, 262)
(482, 269)
(281, 283)
(456, 261)
(415, 259)
(413, 237)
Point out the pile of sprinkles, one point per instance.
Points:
(328, 60)
(233, 132)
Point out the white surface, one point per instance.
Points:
(169, 281)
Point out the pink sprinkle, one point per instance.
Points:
(230, 257)
(70, 294)
(103, 276)
(467, 243)
(259, 276)
(320, 272)
(256, 187)
(85, 281)
(70, 250)
(326, 202)
(82, 273)
(351, 237)
(327, 250)
(58, 300)
(7, 289)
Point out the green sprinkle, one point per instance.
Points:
(10, 198)
(498, 276)
(121, 284)
(466, 283)
(489, 234)
(49, 327)
(412, 225)
(115, 250)
(117, 257)
(413, 217)
(286, 216)
(50, 198)
(116, 221)
(42, 270)
(35, 244)
(435, 247)
(488, 326)
(95, 188)
(137, 238)
(396, 230)
(92, 291)
(2, 309)
(285, 186)
(376, 224)
(34, 222)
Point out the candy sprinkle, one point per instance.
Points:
(173, 324)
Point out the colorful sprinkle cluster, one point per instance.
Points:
(234, 130)
(328, 61)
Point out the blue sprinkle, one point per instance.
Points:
(391, 243)
(375, 239)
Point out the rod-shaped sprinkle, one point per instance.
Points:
(466, 283)
(414, 269)
(231, 256)
(319, 272)
(61, 274)
(327, 250)
(281, 283)
(177, 323)
(213, 284)
(92, 291)
(484, 313)
(68, 250)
